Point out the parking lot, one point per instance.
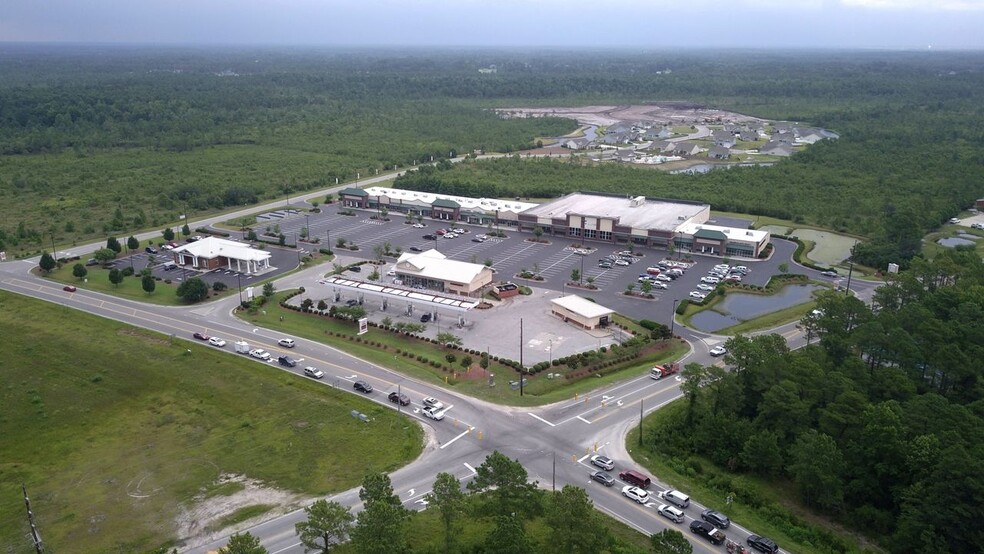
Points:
(553, 260)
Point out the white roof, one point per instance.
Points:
(384, 291)
(213, 247)
(582, 306)
(434, 265)
(489, 205)
(733, 233)
(650, 213)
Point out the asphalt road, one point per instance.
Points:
(552, 442)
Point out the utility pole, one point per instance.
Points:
(35, 535)
(553, 479)
(640, 422)
(850, 272)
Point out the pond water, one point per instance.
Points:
(953, 241)
(738, 307)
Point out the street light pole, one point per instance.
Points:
(328, 238)
(239, 279)
(640, 421)
(580, 276)
(307, 226)
(550, 351)
(521, 372)
(673, 317)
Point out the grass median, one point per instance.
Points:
(117, 431)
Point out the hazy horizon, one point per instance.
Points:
(548, 24)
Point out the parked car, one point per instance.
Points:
(605, 265)
(351, 302)
(671, 513)
(664, 277)
(660, 285)
(415, 249)
(621, 262)
(977, 225)
(216, 341)
(425, 318)
(705, 286)
(603, 462)
(718, 351)
(710, 280)
(69, 288)
(431, 402)
(716, 519)
(635, 493)
(362, 386)
(430, 237)
(954, 220)
(150, 250)
(287, 361)
(313, 372)
(395, 397)
(286, 343)
(419, 226)
(431, 412)
(92, 262)
(201, 336)
(697, 294)
(762, 544)
(476, 239)
(707, 531)
(603, 478)
(355, 268)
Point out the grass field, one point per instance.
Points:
(539, 389)
(115, 429)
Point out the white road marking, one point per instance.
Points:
(286, 548)
(411, 492)
(543, 420)
(584, 420)
(582, 458)
(450, 442)
(471, 469)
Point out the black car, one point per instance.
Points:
(351, 302)
(430, 237)
(395, 397)
(415, 249)
(425, 318)
(287, 361)
(150, 250)
(362, 386)
(763, 544)
(707, 531)
(356, 268)
(603, 478)
(716, 519)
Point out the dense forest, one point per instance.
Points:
(880, 424)
(99, 140)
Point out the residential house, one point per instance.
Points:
(626, 155)
(615, 139)
(662, 146)
(658, 133)
(577, 143)
(718, 153)
(775, 148)
(686, 149)
(747, 135)
(723, 138)
(620, 128)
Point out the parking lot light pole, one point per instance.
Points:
(328, 238)
(307, 226)
(239, 279)
(580, 276)
(673, 316)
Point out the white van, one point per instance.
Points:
(676, 498)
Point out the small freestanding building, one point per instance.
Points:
(214, 253)
(581, 311)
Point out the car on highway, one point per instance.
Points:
(635, 493)
(69, 288)
(313, 372)
(671, 513)
(216, 341)
(698, 295)
(830, 273)
(705, 286)
(707, 531)
(260, 354)
(603, 478)
(201, 336)
(431, 402)
(399, 397)
(604, 462)
(718, 351)
(716, 518)
(287, 361)
(286, 343)
(762, 544)
(362, 386)
(431, 412)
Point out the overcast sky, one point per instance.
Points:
(911, 24)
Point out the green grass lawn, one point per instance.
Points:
(115, 429)
(539, 389)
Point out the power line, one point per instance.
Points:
(35, 535)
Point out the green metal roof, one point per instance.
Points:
(352, 191)
(445, 203)
(710, 235)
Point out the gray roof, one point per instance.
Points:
(352, 191)
(718, 152)
(663, 215)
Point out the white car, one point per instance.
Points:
(418, 225)
(286, 343)
(698, 295)
(670, 513)
(433, 413)
(216, 341)
(458, 230)
(260, 354)
(977, 225)
(664, 278)
(482, 236)
(659, 285)
(718, 351)
(740, 269)
(704, 286)
(710, 280)
(635, 493)
(621, 262)
(431, 402)
(313, 372)
(450, 235)
(954, 220)
(604, 462)
(391, 272)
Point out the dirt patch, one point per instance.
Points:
(194, 523)
(138, 334)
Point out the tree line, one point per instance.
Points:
(879, 424)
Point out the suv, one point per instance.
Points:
(603, 478)
(286, 343)
(313, 372)
(762, 544)
(287, 361)
(635, 493)
(708, 531)
(716, 519)
(433, 413)
(362, 386)
(670, 513)
(395, 397)
(603, 462)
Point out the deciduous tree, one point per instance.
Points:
(79, 271)
(671, 541)
(193, 290)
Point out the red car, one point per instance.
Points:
(69, 288)
(201, 336)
